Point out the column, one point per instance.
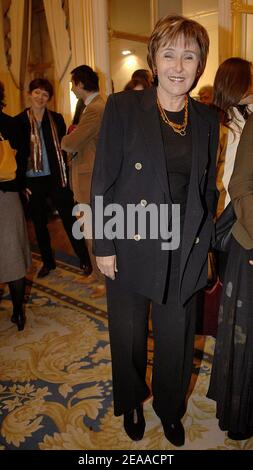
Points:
(225, 30)
(101, 45)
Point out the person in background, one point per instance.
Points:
(81, 143)
(232, 80)
(136, 84)
(206, 94)
(143, 74)
(231, 98)
(232, 370)
(156, 148)
(15, 257)
(42, 170)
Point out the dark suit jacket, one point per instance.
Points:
(9, 132)
(23, 124)
(7, 129)
(130, 135)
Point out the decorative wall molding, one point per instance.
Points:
(153, 13)
(128, 36)
(239, 32)
(225, 30)
(203, 14)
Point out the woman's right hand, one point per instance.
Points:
(27, 192)
(107, 265)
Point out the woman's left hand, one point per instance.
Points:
(107, 265)
(251, 262)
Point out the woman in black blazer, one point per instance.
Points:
(42, 172)
(157, 147)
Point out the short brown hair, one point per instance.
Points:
(43, 84)
(169, 29)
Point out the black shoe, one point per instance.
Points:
(19, 319)
(240, 436)
(174, 432)
(45, 270)
(134, 423)
(86, 268)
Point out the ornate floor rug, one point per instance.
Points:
(55, 376)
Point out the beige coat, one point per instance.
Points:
(241, 187)
(83, 140)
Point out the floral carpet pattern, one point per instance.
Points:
(55, 376)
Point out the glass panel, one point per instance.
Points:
(130, 17)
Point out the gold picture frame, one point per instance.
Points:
(238, 9)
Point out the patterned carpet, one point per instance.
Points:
(55, 377)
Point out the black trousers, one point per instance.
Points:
(173, 331)
(41, 188)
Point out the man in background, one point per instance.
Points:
(81, 142)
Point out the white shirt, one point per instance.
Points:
(90, 98)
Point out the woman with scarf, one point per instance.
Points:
(42, 172)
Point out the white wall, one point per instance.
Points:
(191, 7)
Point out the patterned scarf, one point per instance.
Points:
(35, 162)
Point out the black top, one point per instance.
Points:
(178, 154)
(9, 132)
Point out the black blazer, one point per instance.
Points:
(7, 129)
(9, 132)
(130, 135)
(23, 124)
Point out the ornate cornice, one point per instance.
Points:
(236, 6)
(241, 7)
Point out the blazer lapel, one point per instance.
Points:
(150, 124)
(194, 208)
(200, 138)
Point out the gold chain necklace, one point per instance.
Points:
(178, 128)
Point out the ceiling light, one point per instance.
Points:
(126, 52)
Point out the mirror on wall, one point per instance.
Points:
(129, 29)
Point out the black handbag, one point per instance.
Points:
(223, 229)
